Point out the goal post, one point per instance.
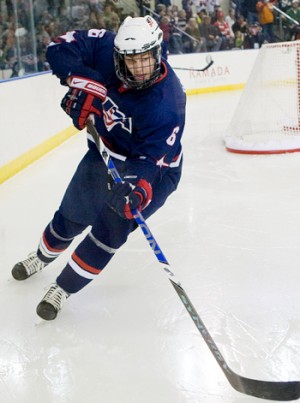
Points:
(267, 117)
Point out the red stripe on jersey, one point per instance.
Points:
(84, 265)
(164, 73)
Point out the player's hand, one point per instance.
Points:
(83, 98)
(79, 105)
(125, 197)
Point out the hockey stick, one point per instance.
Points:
(281, 391)
(209, 62)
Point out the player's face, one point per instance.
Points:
(141, 66)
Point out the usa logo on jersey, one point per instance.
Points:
(113, 116)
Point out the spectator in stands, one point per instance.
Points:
(9, 8)
(114, 22)
(111, 18)
(254, 38)
(41, 46)
(96, 20)
(187, 7)
(42, 64)
(214, 14)
(10, 53)
(294, 13)
(294, 10)
(3, 24)
(182, 19)
(141, 4)
(27, 60)
(211, 34)
(114, 6)
(42, 36)
(166, 3)
(251, 34)
(80, 15)
(96, 6)
(237, 5)
(250, 11)
(3, 64)
(169, 13)
(133, 14)
(199, 5)
(239, 40)
(55, 6)
(55, 27)
(266, 20)
(284, 5)
(212, 6)
(45, 18)
(165, 26)
(39, 6)
(63, 20)
(193, 42)
(161, 11)
(230, 19)
(175, 42)
(172, 13)
(225, 31)
(240, 25)
(199, 16)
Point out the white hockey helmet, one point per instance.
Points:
(135, 36)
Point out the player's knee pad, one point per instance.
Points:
(66, 228)
(110, 229)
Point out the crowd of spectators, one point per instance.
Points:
(197, 26)
(25, 33)
(203, 26)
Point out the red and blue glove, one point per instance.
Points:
(83, 98)
(125, 197)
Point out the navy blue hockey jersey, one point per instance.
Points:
(141, 127)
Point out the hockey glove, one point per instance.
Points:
(83, 98)
(124, 197)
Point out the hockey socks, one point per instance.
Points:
(86, 262)
(57, 236)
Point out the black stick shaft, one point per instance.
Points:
(191, 69)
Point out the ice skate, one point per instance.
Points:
(52, 302)
(28, 267)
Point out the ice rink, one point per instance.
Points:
(232, 236)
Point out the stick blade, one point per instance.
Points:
(280, 391)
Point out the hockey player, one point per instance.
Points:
(138, 106)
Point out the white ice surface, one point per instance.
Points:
(232, 236)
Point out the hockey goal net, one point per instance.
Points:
(267, 118)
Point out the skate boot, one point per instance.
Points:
(28, 267)
(52, 302)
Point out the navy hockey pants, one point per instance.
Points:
(84, 204)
